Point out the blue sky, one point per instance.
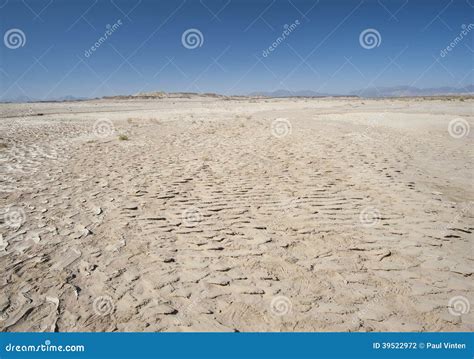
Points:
(146, 53)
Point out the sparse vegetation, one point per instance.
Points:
(3, 145)
(123, 137)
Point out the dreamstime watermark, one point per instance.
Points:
(192, 39)
(465, 208)
(14, 38)
(288, 29)
(190, 308)
(458, 128)
(280, 305)
(465, 30)
(378, 297)
(370, 38)
(46, 347)
(281, 127)
(66, 259)
(289, 204)
(110, 29)
(103, 127)
(44, 152)
(459, 305)
(369, 216)
(103, 305)
(14, 306)
(250, 159)
(3, 243)
(24, 115)
(366, 134)
(191, 217)
(14, 217)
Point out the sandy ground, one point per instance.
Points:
(237, 215)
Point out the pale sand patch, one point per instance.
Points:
(344, 215)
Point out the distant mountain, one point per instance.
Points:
(23, 99)
(402, 91)
(69, 98)
(287, 93)
(18, 99)
(397, 91)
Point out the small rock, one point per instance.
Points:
(221, 268)
(219, 280)
(131, 206)
(36, 238)
(215, 248)
(249, 290)
(86, 232)
(3, 243)
(165, 309)
(87, 267)
(82, 232)
(464, 269)
(98, 211)
(384, 254)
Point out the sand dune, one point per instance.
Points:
(237, 215)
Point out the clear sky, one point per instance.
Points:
(322, 50)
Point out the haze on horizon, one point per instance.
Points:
(53, 49)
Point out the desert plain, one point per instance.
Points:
(212, 213)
